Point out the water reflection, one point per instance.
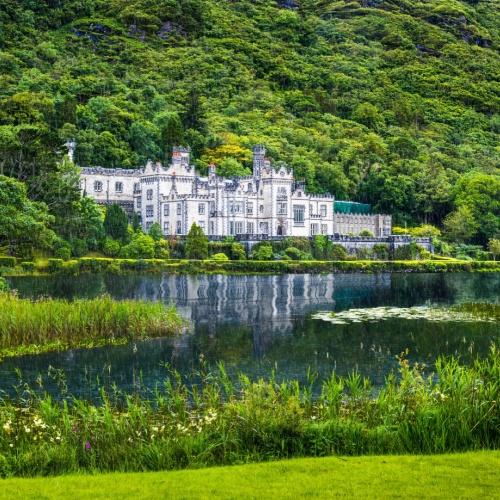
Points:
(258, 323)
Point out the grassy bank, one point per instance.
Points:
(47, 324)
(98, 265)
(468, 475)
(219, 421)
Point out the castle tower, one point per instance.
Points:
(212, 173)
(259, 160)
(180, 156)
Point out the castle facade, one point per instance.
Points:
(268, 203)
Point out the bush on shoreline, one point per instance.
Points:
(48, 324)
(212, 419)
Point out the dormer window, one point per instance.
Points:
(97, 186)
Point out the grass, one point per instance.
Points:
(469, 475)
(47, 324)
(214, 420)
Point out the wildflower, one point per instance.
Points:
(11, 445)
(88, 447)
(27, 429)
(7, 426)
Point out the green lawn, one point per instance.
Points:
(469, 475)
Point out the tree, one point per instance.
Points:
(196, 243)
(479, 194)
(494, 247)
(136, 222)
(24, 224)
(116, 223)
(171, 132)
(460, 225)
(155, 232)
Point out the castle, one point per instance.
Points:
(268, 203)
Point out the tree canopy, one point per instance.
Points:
(390, 103)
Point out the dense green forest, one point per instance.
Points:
(390, 102)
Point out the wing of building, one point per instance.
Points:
(270, 202)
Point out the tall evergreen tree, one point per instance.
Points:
(116, 223)
(196, 243)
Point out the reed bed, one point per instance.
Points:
(49, 324)
(218, 420)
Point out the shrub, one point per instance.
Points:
(381, 251)
(111, 247)
(220, 257)
(262, 251)
(161, 249)
(63, 253)
(55, 265)
(4, 286)
(366, 233)
(338, 252)
(364, 253)
(28, 266)
(407, 252)
(176, 247)
(7, 261)
(293, 253)
(238, 251)
(142, 246)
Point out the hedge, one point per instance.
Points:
(6, 261)
(109, 265)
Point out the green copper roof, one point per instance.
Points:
(351, 207)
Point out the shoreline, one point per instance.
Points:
(89, 265)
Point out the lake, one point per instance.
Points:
(257, 324)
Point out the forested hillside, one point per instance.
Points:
(391, 102)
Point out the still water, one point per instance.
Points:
(257, 324)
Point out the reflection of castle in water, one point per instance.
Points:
(246, 299)
(268, 305)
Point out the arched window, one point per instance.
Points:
(97, 186)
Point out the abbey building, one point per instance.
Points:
(268, 203)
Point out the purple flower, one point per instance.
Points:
(87, 446)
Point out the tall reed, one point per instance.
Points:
(45, 324)
(222, 421)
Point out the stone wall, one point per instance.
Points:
(350, 243)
